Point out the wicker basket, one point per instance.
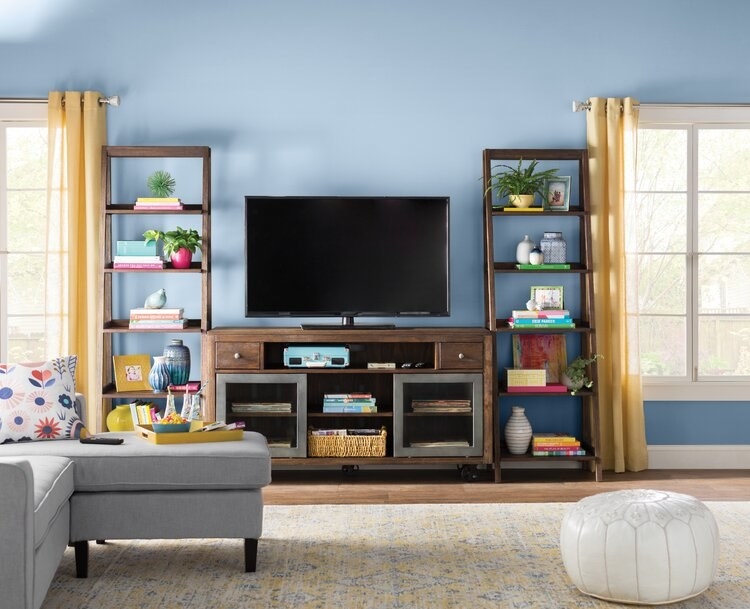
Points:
(346, 446)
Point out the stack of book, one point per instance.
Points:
(556, 445)
(438, 406)
(136, 255)
(251, 407)
(349, 402)
(158, 203)
(545, 319)
(157, 319)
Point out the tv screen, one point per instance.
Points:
(346, 256)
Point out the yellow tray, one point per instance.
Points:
(189, 437)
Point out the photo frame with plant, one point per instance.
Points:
(131, 372)
(548, 296)
(557, 194)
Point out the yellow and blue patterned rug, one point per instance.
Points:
(461, 556)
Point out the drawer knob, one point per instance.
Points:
(461, 356)
(237, 356)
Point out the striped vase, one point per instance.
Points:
(517, 432)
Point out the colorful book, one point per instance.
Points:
(347, 395)
(147, 206)
(137, 265)
(135, 248)
(164, 324)
(154, 314)
(540, 321)
(551, 266)
(561, 324)
(559, 437)
(548, 388)
(158, 200)
(349, 408)
(544, 314)
(559, 453)
(189, 386)
(138, 258)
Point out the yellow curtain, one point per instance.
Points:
(77, 132)
(611, 130)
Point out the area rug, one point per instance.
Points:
(477, 556)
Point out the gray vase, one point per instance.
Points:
(178, 361)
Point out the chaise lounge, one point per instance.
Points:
(56, 493)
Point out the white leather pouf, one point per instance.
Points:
(640, 546)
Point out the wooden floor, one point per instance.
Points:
(307, 487)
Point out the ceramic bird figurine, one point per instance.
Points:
(156, 300)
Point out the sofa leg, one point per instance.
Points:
(251, 555)
(82, 558)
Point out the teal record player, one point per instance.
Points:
(316, 356)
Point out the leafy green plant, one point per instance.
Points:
(161, 184)
(519, 180)
(175, 240)
(576, 373)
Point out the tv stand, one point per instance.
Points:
(452, 387)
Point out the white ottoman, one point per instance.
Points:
(640, 546)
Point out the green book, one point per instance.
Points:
(559, 266)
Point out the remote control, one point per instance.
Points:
(101, 440)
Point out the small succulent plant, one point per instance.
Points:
(161, 184)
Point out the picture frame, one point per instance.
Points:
(131, 372)
(548, 296)
(557, 194)
(541, 351)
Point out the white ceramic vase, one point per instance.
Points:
(517, 431)
(523, 249)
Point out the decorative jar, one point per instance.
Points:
(536, 256)
(178, 361)
(517, 431)
(120, 419)
(553, 247)
(523, 249)
(158, 377)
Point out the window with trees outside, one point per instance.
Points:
(688, 223)
(32, 292)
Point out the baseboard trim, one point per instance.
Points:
(699, 456)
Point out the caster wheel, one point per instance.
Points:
(469, 473)
(349, 470)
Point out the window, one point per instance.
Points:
(689, 225)
(31, 298)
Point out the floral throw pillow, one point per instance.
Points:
(37, 401)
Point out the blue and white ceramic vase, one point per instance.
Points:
(158, 377)
(517, 432)
(178, 361)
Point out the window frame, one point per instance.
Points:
(12, 114)
(693, 117)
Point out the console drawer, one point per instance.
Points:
(237, 356)
(460, 355)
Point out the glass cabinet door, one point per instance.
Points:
(437, 415)
(271, 404)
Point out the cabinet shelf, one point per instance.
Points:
(502, 230)
(116, 225)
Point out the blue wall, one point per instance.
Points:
(369, 96)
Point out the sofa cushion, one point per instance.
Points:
(139, 465)
(37, 401)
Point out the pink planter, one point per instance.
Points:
(182, 258)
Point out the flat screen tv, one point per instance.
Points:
(346, 257)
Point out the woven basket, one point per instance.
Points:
(346, 446)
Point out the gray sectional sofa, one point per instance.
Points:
(57, 493)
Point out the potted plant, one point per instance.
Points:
(179, 244)
(575, 378)
(520, 184)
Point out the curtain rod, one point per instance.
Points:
(583, 106)
(112, 100)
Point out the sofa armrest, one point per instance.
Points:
(16, 532)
